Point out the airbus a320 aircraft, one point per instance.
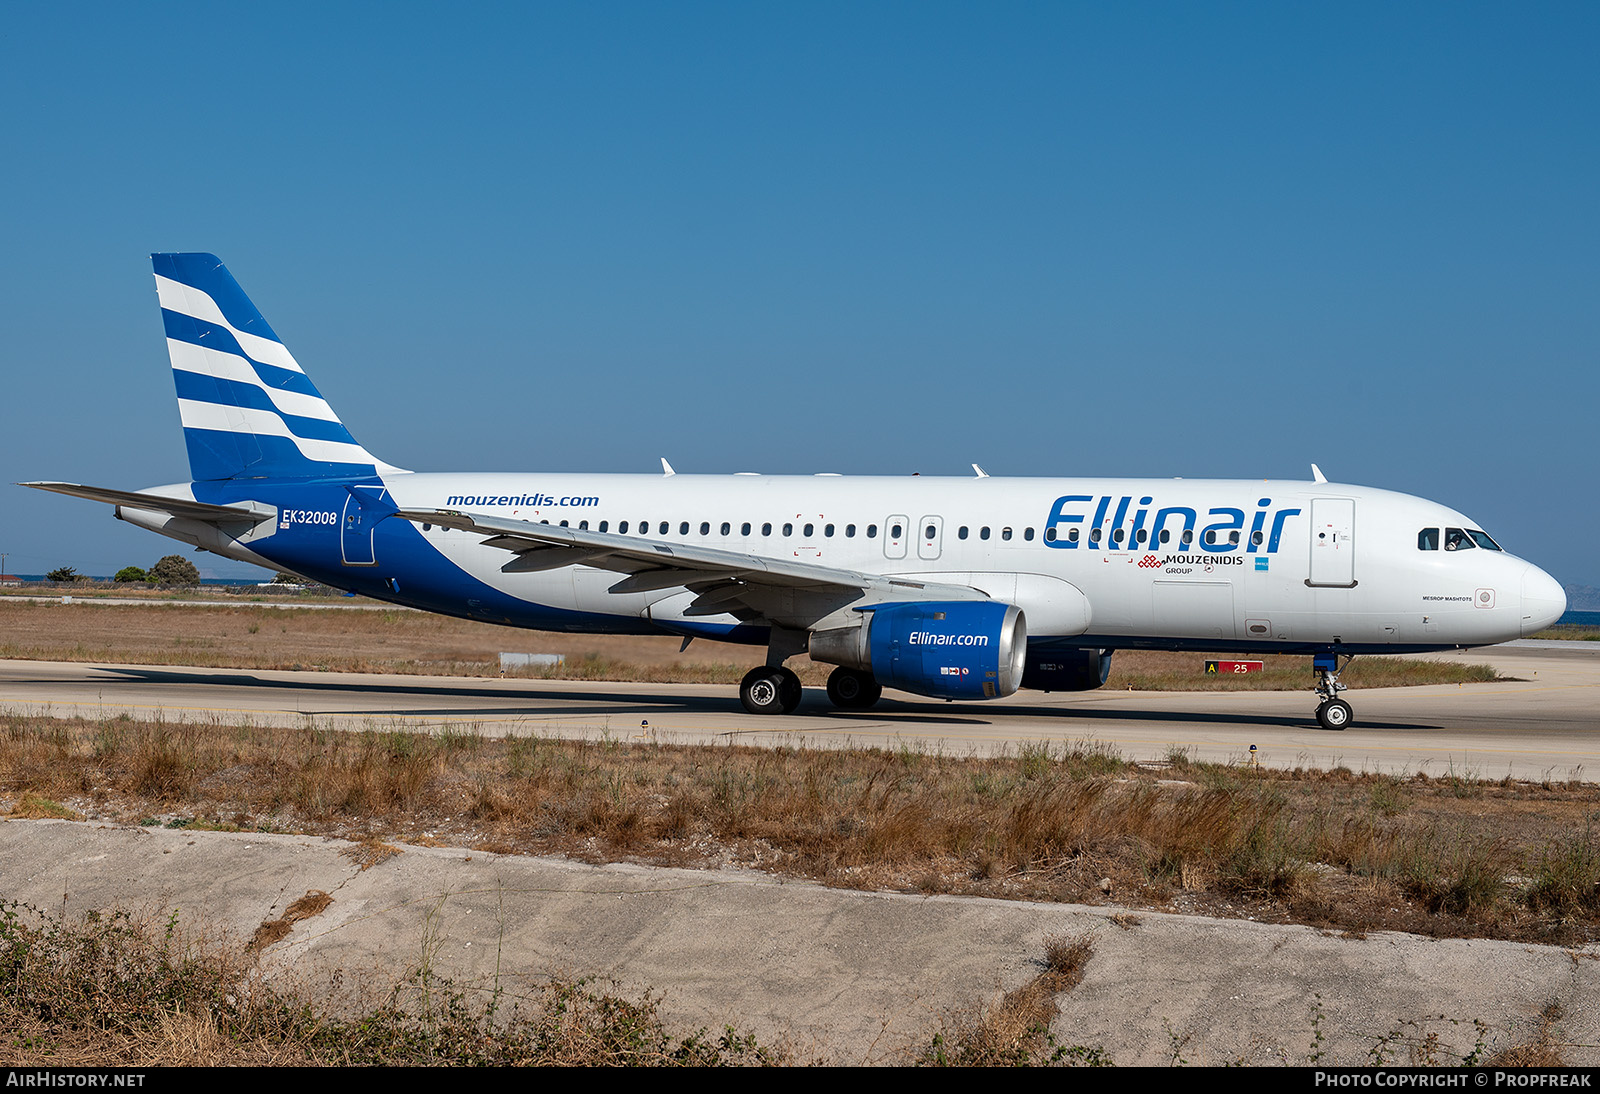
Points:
(955, 588)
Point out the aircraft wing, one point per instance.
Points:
(726, 581)
(157, 503)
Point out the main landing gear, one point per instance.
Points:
(849, 689)
(776, 690)
(773, 689)
(770, 690)
(1333, 712)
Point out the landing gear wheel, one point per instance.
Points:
(1334, 714)
(789, 690)
(769, 690)
(852, 690)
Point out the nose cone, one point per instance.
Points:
(1543, 601)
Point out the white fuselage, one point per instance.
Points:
(1265, 564)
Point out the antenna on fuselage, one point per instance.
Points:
(1316, 473)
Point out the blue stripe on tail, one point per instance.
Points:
(248, 410)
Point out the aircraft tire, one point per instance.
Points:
(767, 690)
(1334, 714)
(852, 690)
(789, 690)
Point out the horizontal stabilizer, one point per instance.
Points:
(158, 503)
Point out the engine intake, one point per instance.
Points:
(947, 650)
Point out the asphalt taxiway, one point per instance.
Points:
(1541, 722)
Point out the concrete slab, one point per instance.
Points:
(850, 977)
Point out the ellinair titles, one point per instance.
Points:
(952, 588)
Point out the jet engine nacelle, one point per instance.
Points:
(1067, 670)
(947, 650)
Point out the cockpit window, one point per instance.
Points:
(1428, 539)
(1482, 540)
(1457, 540)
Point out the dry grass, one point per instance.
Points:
(1355, 853)
(1544, 1050)
(116, 991)
(1571, 632)
(314, 903)
(1148, 670)
(416, 643)
(1015, 1030)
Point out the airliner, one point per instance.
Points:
(959, 588)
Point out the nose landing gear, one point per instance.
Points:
(1333, 712)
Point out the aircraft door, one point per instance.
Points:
(896, 531)
(1333, 543)
(931, 531)
(355, 536)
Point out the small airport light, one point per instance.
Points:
(1252, 755)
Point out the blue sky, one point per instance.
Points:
(1056, 239)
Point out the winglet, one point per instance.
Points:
(1317, 475)
(982, 474)
(666, 468)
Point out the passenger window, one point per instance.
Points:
(1211, 537)
(983, 533)
(894, 532)
(583, 525)
(961, 533)
(622, 529)
(664, 528)
(1050, 534)
(744, 529)
(726, 527)
(683, 528)
(1094, 536)
(929, 532)
(828, 531)
(1457, 540)
(1072, 536)
(1188, 536)
(809, 529)
(1027, 534)
(1256, 537)
(604, 525)
(849, 531)
(788, 529)
(1005, 533)
(1166, 534)
(1428, 539)
(564, 524)
(1233, 536)
(1116, 535)
(1139, 536)
(766, 529)
(872, 531)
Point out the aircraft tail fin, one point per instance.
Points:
(248, 408)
